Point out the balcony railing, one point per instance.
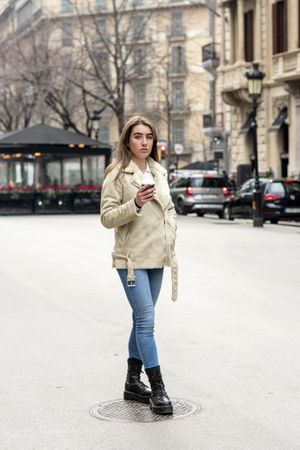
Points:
(211, 52)
(211, 56)
(213, 124)
(213, 120)
(286, 65)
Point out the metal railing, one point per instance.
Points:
(213, 120)
(211, 52)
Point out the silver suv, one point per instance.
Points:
(200, 194)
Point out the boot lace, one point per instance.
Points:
(157, 386)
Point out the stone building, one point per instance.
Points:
(265, 32)
(171, 86)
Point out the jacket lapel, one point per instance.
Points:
(133, 170)
(157, 171)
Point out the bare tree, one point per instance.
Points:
(115, 54)
(16, 107)
(26, 77)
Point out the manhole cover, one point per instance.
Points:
(129, 411)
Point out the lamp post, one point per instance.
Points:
(255, 80)
(96, 117)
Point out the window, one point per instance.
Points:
(54, 173)
(212, 182)
(103, 63)
(67, 61)
(137, 2)
(24, 15)
(17, 173)
(138, 25)
(67, 6)
(182, 182)
(276, 189)
(67, 35)
(3, 173)
(92, 170)
(101, 4)
(177, 95)
(104, 133)
(139, 61)
(280, 26)
(249, 36)
(72, 171)
(299, 23)
(178, 131)
(292, 186)
(176, 23)
(139, 97)
(101, 27)
(177, 59)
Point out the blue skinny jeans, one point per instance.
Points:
(142, 299)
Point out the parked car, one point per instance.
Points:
(200, 194)
(281, 200)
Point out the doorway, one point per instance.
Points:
(284, 156)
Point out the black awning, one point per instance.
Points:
(248, 125)
(279, 121)
(45, 135)
(45, 139)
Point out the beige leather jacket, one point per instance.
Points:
(145, 239)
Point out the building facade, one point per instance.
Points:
(265, 32)
(166, 78)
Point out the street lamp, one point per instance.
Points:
(255, 79)
(96, 117)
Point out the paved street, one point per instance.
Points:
(230, 343)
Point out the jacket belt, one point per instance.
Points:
(131, 276)
(130, 272)
(174, 275)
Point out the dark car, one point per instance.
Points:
(281, 200)
(200, 194)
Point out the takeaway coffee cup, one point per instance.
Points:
(147, 179)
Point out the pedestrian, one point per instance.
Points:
(136, 202)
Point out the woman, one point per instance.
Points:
(135, 201)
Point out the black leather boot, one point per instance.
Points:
(159, 400)
(135, 389)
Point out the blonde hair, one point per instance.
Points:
(122, 154)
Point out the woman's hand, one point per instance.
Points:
(144, 194)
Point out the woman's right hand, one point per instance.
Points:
(144, 194)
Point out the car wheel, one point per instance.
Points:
(275, 221)
(200, 214)
(227, 213)
(181, 208)
(221, 215)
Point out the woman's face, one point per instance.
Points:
(140, 142)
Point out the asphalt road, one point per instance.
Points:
(230, 343)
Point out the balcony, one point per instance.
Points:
(211, 56)
(213, 124)
(286, 66)
(234, 83)
(227, 2)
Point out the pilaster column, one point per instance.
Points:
(232, 37)
(223, 45)
(240, 30)
(297, 155)
(293, 87)
(258, 32)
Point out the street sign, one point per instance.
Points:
(178, 149)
